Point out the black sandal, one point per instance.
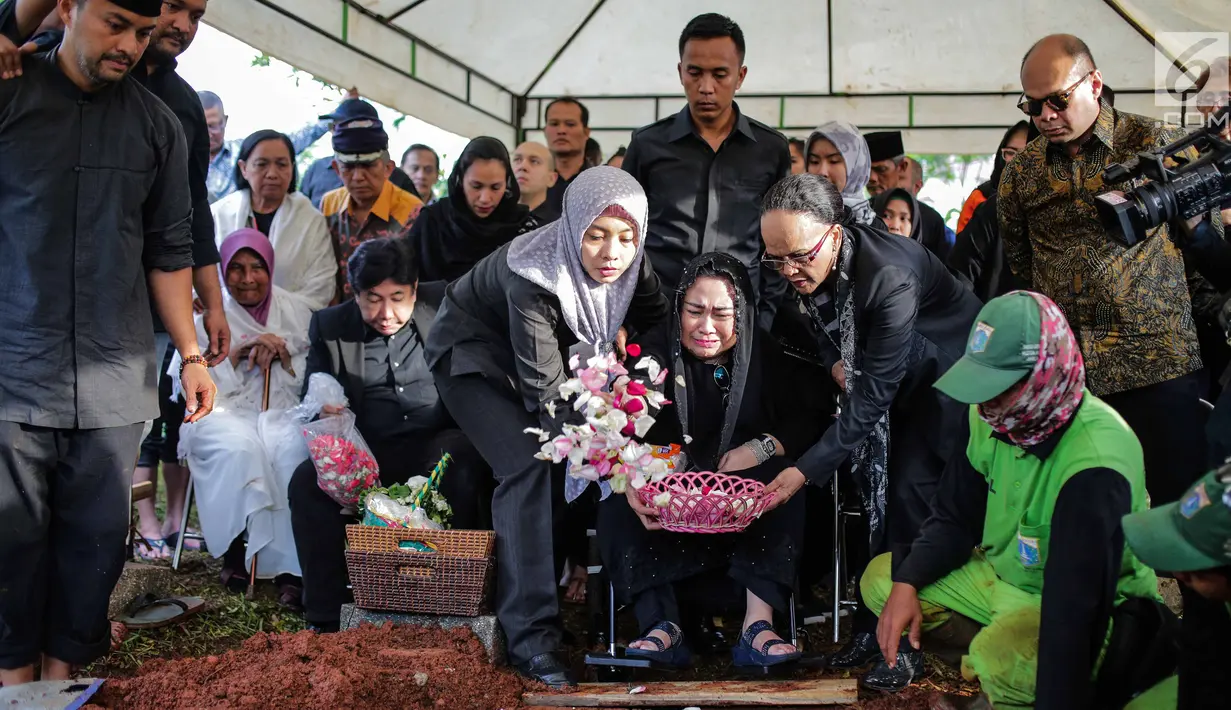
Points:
(677, 656)
(745, 655)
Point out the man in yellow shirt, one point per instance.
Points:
(368, 205)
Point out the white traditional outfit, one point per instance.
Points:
(238, 456)
(306, 262)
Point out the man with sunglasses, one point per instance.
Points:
(1130, 308)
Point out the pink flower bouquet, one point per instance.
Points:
(344, 464)
(618, 411)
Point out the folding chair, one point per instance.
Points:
(179, 544)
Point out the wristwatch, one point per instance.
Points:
(763, 448)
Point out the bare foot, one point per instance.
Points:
(55, 669)
(17, 676)
(119, 632)
(577, 585)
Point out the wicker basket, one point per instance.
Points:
(721, 503)
(453, 580)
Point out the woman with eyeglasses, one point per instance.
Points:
(978, 256)
(726, 415)
(902, 321)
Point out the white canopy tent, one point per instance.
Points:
(943, 71)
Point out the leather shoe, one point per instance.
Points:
(549, 670)
(891, 680)
(860, 651)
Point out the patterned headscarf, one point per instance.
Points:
(1049, 396)
(551, 255)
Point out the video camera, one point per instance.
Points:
(1190, 189)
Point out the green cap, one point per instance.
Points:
(1193, 533)
(1002, 349)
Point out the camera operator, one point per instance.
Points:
(1130, 307)
(1204, 245)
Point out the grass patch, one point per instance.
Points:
(227, 620)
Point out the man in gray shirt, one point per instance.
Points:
(95, 218)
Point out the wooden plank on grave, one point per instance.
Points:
(789, 693)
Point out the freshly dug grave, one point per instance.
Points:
(372, 667)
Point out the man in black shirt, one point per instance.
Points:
(567, 131)
(86, 239)
(373, 346)
(706, 169)
(174, 33)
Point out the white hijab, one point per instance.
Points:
(302, 245)
(551, 255)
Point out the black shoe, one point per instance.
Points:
(547, 669)
(891, 680)
(331, 627)
(859, 652)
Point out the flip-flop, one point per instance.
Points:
(189, 543)
(150, 612)
(151, 549)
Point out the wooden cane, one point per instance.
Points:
(251, 593)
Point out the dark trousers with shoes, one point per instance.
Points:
(493, 416)
(320, 527)
(64, 498)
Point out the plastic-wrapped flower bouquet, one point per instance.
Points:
(618, 411)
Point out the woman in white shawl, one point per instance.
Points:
(240, 472)
(838, 152)
(266, 200)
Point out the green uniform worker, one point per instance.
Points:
(1192, 539)
(1046, 460)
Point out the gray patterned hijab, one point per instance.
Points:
(551, 255)
(854, 149)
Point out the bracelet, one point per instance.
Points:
(192, 360)
(758, 451)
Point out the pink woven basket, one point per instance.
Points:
(706, 502)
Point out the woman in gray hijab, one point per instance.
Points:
(498, 351)
(837, 152)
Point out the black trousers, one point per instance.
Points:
(916, 463)
(1169, 421)
(63, 518)
(320, 528)
(646, 566)
(162, 443)
(524, 506)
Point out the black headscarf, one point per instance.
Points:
(916, 220)
(250, 143)
(707, 447)
(993, 183)
(449, 238)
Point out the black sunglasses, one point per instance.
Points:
(1059, 101)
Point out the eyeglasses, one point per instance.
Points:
(1059, 101)
(1008, 154)
(799, 261)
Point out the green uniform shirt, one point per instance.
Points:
(1022, 493)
